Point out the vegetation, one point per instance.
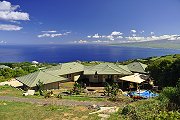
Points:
(77, 88)
(112, 91)
(20, 69)
(167, 44)
(165, 72)
(40, 88)
(21, 111)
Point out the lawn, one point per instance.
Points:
(22, 111)
(9, 91)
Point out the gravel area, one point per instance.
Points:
(53, 101)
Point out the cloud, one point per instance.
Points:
(8, 12)
(96, 36)
(114, 35)
(3, 42)
(152, 38)
(6, 27)
(81, 41)
(49, 31)
(52, 34)
(6, 6)
(133, 31)
(100, 41)
(49, 35)
(142, 31)
(152, 33)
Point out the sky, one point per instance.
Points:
(88, 21)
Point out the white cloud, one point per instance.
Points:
(152, 33)
(49, 31)
(66, 33)
(49, 35)
(142, 31)
(6, 15)
(120, 37)
(100, 41)
(115, 33)
(152, 38)
(96, 36)
(133, 31)
(3, 42)
(8, 12)
(81, 41)
(7, 27)
(52, 34)
(6, 6)
(133, 35)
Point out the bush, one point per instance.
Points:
(164, 115)
(170, 97)
(77, 88)
(130, 111)
(48, 94)
(111, 91)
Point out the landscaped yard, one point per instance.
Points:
(22, 111)
(9, 91)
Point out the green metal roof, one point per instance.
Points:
(107, 69)
(32, 79)
(137, 67)
(65, 68)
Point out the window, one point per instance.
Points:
(96, 76)
(68, 75)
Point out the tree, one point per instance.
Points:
(40, 87)
(165, 72)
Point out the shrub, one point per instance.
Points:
(170, 97)
(77, 88)
(48, 94)
(164, 115)
(40, 87)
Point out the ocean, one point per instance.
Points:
(67, 53)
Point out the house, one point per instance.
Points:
(137, 67)
(74, 71)
(105, 72)
(52, 77)
(31, 80)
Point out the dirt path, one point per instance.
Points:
(52, 101)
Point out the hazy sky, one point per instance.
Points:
(88, 21)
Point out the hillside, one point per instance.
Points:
(168, 44)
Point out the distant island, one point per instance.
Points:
(167, 44)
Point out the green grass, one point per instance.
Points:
(22, 111)
(9, 91)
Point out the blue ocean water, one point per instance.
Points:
(66, 53)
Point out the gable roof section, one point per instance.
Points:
(107, 68)
(65, 68)
(137, 67)
(32, 79)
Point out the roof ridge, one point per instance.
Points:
(36, 77)
(104, 67)
(141, 65)
(51, 74)
(114, 68)
(123, 68)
